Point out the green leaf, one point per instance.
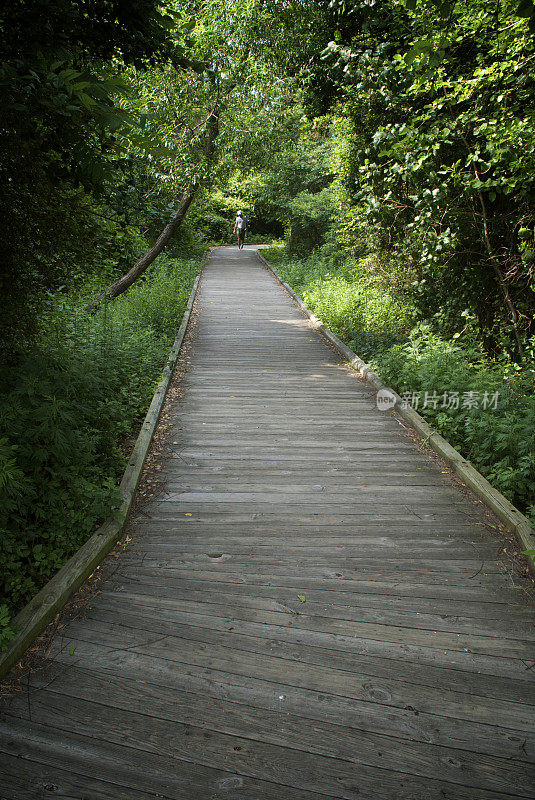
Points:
(302, 597)
(72, 649)
(525, 9)
(412, 55)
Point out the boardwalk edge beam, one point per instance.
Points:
(42, 609)
(511, 516)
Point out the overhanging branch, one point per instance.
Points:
(123, 283)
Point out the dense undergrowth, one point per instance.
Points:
(70, 403)
(484, 407)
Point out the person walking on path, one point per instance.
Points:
(240, 227)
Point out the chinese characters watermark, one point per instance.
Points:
(448, 400)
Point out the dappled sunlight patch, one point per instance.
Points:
(296, 323)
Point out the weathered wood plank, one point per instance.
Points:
(161, 689)
(173, 541)
(500, 678)
(303, 573)
(239, 727)
(168, 765)
(200, 628)
(390, 692)
(127, 767)
(513, 596)
(31, 779)
(515, 627)
(518, 646)
(309, 563)
(447, 601)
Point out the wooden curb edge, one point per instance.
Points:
(511, 516)
(42, 609)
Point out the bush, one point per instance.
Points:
(350, 302)
(69, 405)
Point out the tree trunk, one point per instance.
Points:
(123, 283)
(509, 305)
(500, 276)
(147, 258)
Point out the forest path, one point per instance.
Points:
(311, 609)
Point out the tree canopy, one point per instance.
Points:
(405, 127)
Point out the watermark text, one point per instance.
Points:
(448, 400)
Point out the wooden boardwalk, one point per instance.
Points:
(312, 609)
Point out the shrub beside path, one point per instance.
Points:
(312, 607)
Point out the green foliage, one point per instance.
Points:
(350, 302)
(311, 216)
(408, 192)
(68, 133)
(69, 405)
(212, 218)
(293, 190)
(430, 174)
(7, 629)
(434, 107)
(137, 33)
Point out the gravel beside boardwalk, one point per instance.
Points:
(311, 608)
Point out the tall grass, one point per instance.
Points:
(349, 301)
(68, 406)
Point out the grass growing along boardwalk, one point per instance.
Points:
(71, 402)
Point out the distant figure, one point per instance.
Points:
(240, 227)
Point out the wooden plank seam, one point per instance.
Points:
(511, 516)
(42, 609)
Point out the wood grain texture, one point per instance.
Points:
(310, 608)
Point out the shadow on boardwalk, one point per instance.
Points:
(310, 609)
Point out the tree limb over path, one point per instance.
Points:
(123, 283)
